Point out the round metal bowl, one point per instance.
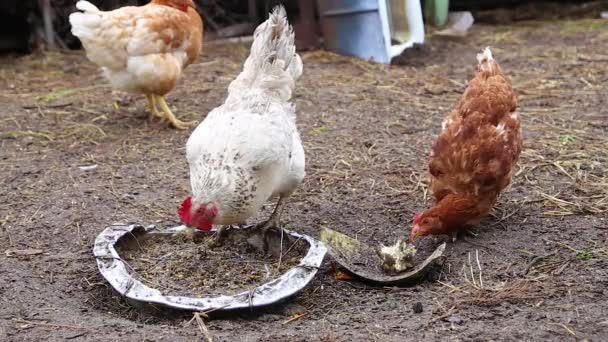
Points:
(116, 272)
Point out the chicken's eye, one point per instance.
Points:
(436, 173)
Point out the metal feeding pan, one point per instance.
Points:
(117, 273)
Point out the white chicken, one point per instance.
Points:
(142, 49)
(248, 150)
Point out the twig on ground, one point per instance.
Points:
(199, 318)
(294, 318)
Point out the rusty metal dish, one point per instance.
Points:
(361, 260)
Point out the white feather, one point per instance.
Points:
(86, 6)
(501, 128)
(250, 145)
(486, 55)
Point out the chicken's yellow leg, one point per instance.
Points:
(152, 106)
(169, 115)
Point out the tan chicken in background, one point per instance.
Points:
(474, 157)
(142, 49)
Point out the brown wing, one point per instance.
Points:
(166, 30)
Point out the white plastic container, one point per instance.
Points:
(377, 30)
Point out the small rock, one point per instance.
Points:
(270, 318)
(293, 309)
(455, 319)
(417, 307)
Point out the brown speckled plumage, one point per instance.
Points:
(474, 157)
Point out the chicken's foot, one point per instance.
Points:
(221, 233)
(169, 115)
(455, 235)
(152, 106)
(274, 222)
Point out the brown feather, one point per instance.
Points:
(473, 158)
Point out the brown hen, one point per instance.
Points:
(473, 158)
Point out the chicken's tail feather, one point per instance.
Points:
(273, 62)
(486, 62)
(86, 6)
(273, 40)
(84, 23)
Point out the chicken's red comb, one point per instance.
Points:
(184, 210)
(417, 218)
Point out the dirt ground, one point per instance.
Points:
(367, 131)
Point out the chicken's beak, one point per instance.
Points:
(414, 235)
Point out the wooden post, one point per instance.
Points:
(47, 17)
(253, 12)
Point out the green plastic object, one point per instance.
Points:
(436, 11)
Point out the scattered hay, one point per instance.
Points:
(520, 291)
(56, 95)
(552, 263)
(582, 25)
(43, 135)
